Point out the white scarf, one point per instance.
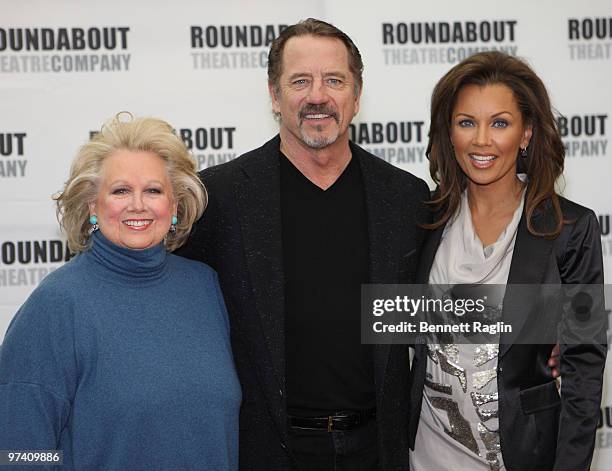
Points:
(461, 257)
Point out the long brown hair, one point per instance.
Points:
(545, 154)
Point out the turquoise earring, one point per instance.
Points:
(93, 220)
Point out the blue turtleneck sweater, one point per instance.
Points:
(121, 358)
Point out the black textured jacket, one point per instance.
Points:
(239, 235)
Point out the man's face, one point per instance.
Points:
(316, 96)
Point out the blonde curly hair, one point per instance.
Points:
(134, 134)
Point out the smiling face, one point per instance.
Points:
(135, 202)
(316, 96)
(487, 130)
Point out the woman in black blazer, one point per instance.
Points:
(496, 407)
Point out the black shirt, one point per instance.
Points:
(325, 256)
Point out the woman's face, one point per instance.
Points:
(135, 203)
(487, 131)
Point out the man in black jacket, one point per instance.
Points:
(293, 229)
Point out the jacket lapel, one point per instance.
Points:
(428, 253)
(419, 362)
(382, 214)
(258, 202)
(528, 267)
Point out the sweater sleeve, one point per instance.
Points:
(38, 372)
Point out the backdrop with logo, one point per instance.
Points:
(67, 66)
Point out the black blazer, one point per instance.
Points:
(540, 430)
(239, 235)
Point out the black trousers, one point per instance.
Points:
(320, 450)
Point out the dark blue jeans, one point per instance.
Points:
(319, 450)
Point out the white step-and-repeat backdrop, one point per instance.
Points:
(68, 65)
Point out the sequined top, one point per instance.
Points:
(459, 426)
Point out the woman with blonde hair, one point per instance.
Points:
(121, 358)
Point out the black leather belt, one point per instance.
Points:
(339, 421)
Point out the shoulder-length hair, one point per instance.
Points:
(134, 134)
(545, 154)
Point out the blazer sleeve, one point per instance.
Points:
(582, 365)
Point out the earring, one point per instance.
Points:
(174, 221)
(523, 152)
(93, 220)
